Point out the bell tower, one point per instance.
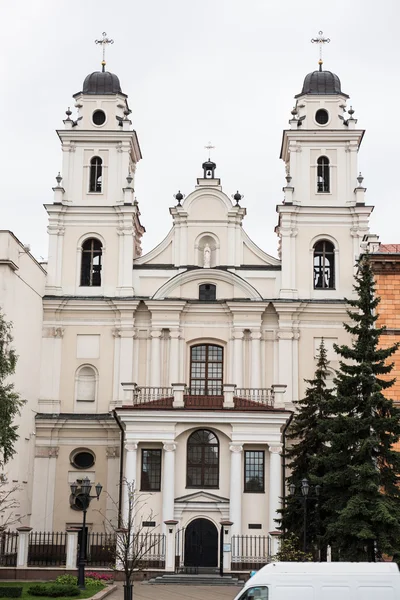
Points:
(323, 217)
(94, 221)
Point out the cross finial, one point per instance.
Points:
(104, 41)
(321, 40)
(209, 147)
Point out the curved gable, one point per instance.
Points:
(185, 285)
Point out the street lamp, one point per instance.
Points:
(305, 489)
(81, 492)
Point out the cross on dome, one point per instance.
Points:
(209, 147)
(104, 42)
(320, 40)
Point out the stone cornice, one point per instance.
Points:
(385, 263)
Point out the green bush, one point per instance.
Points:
(53, 590)
(10, 592)
(67, 579)
(90, 582)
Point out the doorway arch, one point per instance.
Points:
(201, 544)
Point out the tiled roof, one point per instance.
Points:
(389, 249)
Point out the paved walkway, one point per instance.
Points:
(145, 591)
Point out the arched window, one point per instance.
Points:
(323, 179)
(96, 174)
(91, 262)
(206, 370)
(324, 265)
(207, 292)
(202, 460)
(86, 384)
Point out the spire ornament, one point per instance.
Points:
(104, 41)
(209, 147)
(321, 40)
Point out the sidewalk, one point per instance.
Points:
(145, 591)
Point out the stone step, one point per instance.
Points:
(180, 579)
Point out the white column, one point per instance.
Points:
(130, 475)
(238, 358)
(235, 497)
(174, 357)
(275, 484)
(170, 545)
(23, 543)
(168, 487)
(72, 547)
(256, 359)
(155, 364)
(285, 360)
(126, 357)
(135, 368)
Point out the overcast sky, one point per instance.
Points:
(195, 70)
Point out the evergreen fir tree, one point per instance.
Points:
(307, 434)
(361, 469)
(10, 401)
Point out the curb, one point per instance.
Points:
(109, 589)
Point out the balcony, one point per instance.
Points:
(180, 396)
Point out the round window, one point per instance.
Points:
(99, 117)
(82, 459)
(321, 116)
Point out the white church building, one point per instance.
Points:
(179, 369)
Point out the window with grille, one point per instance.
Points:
(202, 460)
(206, 370)
(254, 471)
(150, 480)
(323, 175)
(96, 174)
(207, 292)
(324, 265)
(91, 262)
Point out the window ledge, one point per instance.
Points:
(203, 487)
(251, 492)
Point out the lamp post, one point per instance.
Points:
(81, 492)
(305, 489)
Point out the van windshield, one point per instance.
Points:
(256, 593)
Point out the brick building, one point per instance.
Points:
(386, 265)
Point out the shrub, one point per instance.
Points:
(53, 590)
(100, 576)
(10, 592)
(67, 579)
(90, 582)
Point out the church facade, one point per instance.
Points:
(179, 369)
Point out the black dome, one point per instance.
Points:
(101, 82)
(321, 83)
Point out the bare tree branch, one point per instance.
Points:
(135, 543)
(8, 504)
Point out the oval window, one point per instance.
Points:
(82, 459)
(321, 116)
(99, 117)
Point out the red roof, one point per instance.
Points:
(389, 248)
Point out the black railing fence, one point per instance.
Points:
(47, 549)
(100, 549)
(250, 551)
(151, 546)
(8, 548)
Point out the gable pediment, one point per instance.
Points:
(203, 497)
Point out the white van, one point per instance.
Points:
(323, 581)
